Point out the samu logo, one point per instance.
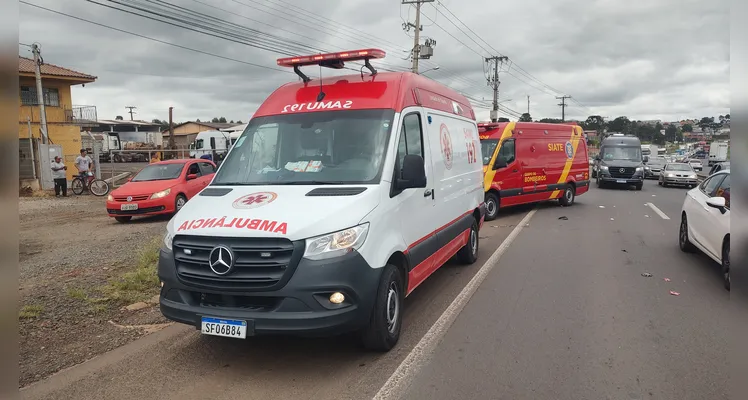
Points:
(569, 150)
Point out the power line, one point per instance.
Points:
(153, 39)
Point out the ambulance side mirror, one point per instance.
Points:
(500, 163)
(413, 173)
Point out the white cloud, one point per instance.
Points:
(664, 59)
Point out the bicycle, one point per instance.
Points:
(86, 181)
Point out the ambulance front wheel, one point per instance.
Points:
(492, 206)
(468, 254)
(383, 329)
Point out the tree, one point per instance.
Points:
(706, 122)
(671, 133)
(231, 122)
(222, 120)
(239, 122)
(503, 119)
(214, 120)
(594, 123)
(198, 120)
(620, 124)
(550, 120)
(687, 128)
(525, 118)
(118, 118)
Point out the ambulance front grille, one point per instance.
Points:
(258, 263)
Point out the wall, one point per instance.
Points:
(59, 132)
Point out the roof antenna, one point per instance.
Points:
(321, 94)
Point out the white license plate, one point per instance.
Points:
(621, 181)
(224, 327)
(128, 207)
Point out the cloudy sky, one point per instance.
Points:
(653, 59)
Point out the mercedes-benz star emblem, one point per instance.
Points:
(221, 260)
(129, 198)
(622, 170)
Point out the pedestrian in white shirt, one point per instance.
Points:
(58, 174)
(84, 163)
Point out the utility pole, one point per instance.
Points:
(171, 130)
(494, 82)
(417, 36)
(528, 103)
(40, 92)
(563, 106)
(131, 112)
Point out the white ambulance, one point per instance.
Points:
(337, 201)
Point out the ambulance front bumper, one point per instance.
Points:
(300, 307)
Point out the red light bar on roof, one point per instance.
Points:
(331, 59)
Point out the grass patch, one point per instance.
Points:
(30, 311)
(140, 283)
(77, 293)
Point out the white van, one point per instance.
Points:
(329, 210)
(207, 142)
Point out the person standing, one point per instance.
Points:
(84, 163)
(59, 176)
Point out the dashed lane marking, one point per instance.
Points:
(658, 211)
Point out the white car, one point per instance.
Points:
(705, 221)
(696, 164)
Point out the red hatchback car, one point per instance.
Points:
(160, 188)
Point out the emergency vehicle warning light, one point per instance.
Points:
(332, 60)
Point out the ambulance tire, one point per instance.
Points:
(468, 254)
(567, 199)
(383, 330)
(492, 206)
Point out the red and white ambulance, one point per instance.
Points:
(528, 162)
(340, 198)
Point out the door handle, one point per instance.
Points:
(515, 170)
(428, 193)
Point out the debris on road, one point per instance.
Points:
(563, 217)
(667, 279)
(646, 274)
(646, 216)
(674, 293)
(601, 206)
(612, 219)
(624, 250)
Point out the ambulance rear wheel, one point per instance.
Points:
(383, 330)
(567, 198)
(468, 254)
(492, 206)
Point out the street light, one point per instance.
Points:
(430, 69)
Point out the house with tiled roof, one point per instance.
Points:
(64, 120)
(186, 132)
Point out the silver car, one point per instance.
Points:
(681, 174)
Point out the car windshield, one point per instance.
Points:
(314, 148)
(487, 147)
(159, 172)
(679, 167)
(629, 153)
(656, 162)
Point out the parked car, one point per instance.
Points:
(705, 221)
(719, 167)
(160, 188)
(678, 174)
(653, 167)
(695, 164)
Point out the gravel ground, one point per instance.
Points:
(69, 249)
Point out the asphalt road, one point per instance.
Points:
(565, 314)
(568, 314)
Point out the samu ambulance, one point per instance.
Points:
(340, 198)
(528, 162)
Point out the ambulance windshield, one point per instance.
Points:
(487, 147)
(313, 148)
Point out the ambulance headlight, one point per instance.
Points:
(336, 244)
(168, 239)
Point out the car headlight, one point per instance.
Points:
(161, 194)
(336, 244)
(670, 175)
(110, 197)
(647, 168)
(692, 176)
(168, 239)
(639, 169)
(604, 168)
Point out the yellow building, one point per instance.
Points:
(64, 120)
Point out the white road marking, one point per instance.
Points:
(403, 376)
(658, 211)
